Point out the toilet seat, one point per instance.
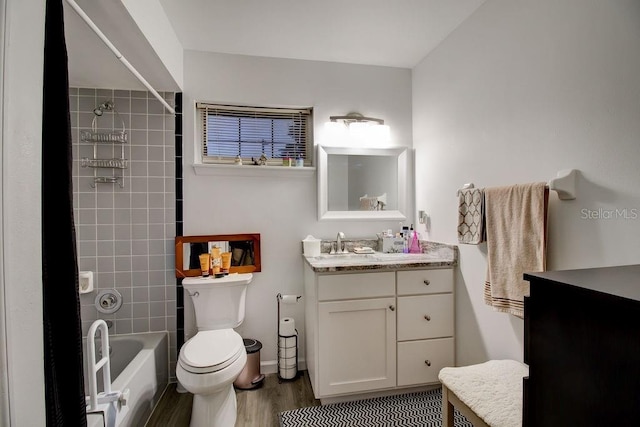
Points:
(211, 351)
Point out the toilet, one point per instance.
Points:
(211, 360)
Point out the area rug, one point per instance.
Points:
(421, 409)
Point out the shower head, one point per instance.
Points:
(100, 109)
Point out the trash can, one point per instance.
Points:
(250, 377)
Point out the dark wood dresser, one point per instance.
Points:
(582, 345)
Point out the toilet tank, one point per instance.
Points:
(218, 303)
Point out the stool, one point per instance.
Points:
(488, 394)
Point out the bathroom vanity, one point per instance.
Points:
(378, 323)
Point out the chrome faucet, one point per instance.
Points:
(339, 245)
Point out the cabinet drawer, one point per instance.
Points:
(425, 316)
(425, 281)
(419, 362)
(354, 286)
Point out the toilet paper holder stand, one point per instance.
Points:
(280, 298)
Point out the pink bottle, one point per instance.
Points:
(415, 243)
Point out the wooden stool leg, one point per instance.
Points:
(447, 408)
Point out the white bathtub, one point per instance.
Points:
(140, 363)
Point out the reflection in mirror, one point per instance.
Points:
(362, 183)
(244, 248)
(356, 182)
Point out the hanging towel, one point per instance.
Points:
(516, 243)
(471, 216)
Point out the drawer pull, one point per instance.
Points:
(426, 282)
(392, 308)
(427, 317)
(427, 362)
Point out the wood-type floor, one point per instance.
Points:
(258, 407)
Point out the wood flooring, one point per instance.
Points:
(258, 407)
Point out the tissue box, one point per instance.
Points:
(391, 244)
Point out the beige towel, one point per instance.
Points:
(516, 243)
(471, 216)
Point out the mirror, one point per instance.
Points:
(244, 248)
(362, 183)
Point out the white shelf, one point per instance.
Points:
(253, 171)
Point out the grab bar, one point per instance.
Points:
(103, 363)
(108, 402)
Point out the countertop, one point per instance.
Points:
(434, 255)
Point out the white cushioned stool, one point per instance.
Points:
(488, 394)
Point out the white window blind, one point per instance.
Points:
(229, 131)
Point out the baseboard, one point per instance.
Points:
(271, 366)
(379, 393)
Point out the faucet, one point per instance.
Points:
(339, 248)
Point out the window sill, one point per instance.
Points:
(252, 170)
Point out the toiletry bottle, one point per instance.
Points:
(204, 264)
(405, 238)
(415, 243)
(216, 260)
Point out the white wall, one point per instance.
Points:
(154, 24)
(519, 91)
(21, 202)
(282, 210)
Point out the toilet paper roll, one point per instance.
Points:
(287, 347)
(287, 326)
(289, 299)
(288, 373)
(288, 363)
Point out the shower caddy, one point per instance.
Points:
(107, 138)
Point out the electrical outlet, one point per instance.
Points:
(86, 282)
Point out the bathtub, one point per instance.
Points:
(140, 363)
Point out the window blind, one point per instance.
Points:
(229, 131)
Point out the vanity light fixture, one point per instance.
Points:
(358, 128)
(355, 118)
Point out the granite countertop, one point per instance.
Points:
(433, 255)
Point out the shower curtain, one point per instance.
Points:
(64, 382)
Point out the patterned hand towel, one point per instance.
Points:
(471, 216)
(516, 243)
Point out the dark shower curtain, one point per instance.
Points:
(64, 382)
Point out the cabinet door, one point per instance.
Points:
(419, 362)
(425, 316)
(357, 345)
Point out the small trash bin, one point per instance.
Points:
(250, 377)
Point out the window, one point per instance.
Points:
(229, 131)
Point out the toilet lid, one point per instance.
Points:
(211, 351)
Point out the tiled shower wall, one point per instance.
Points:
(125, 233)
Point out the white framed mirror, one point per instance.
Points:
(362, 183)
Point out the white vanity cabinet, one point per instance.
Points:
(377, 330)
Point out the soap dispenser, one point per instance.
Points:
(415, 243)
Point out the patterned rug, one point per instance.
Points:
(422, 409)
